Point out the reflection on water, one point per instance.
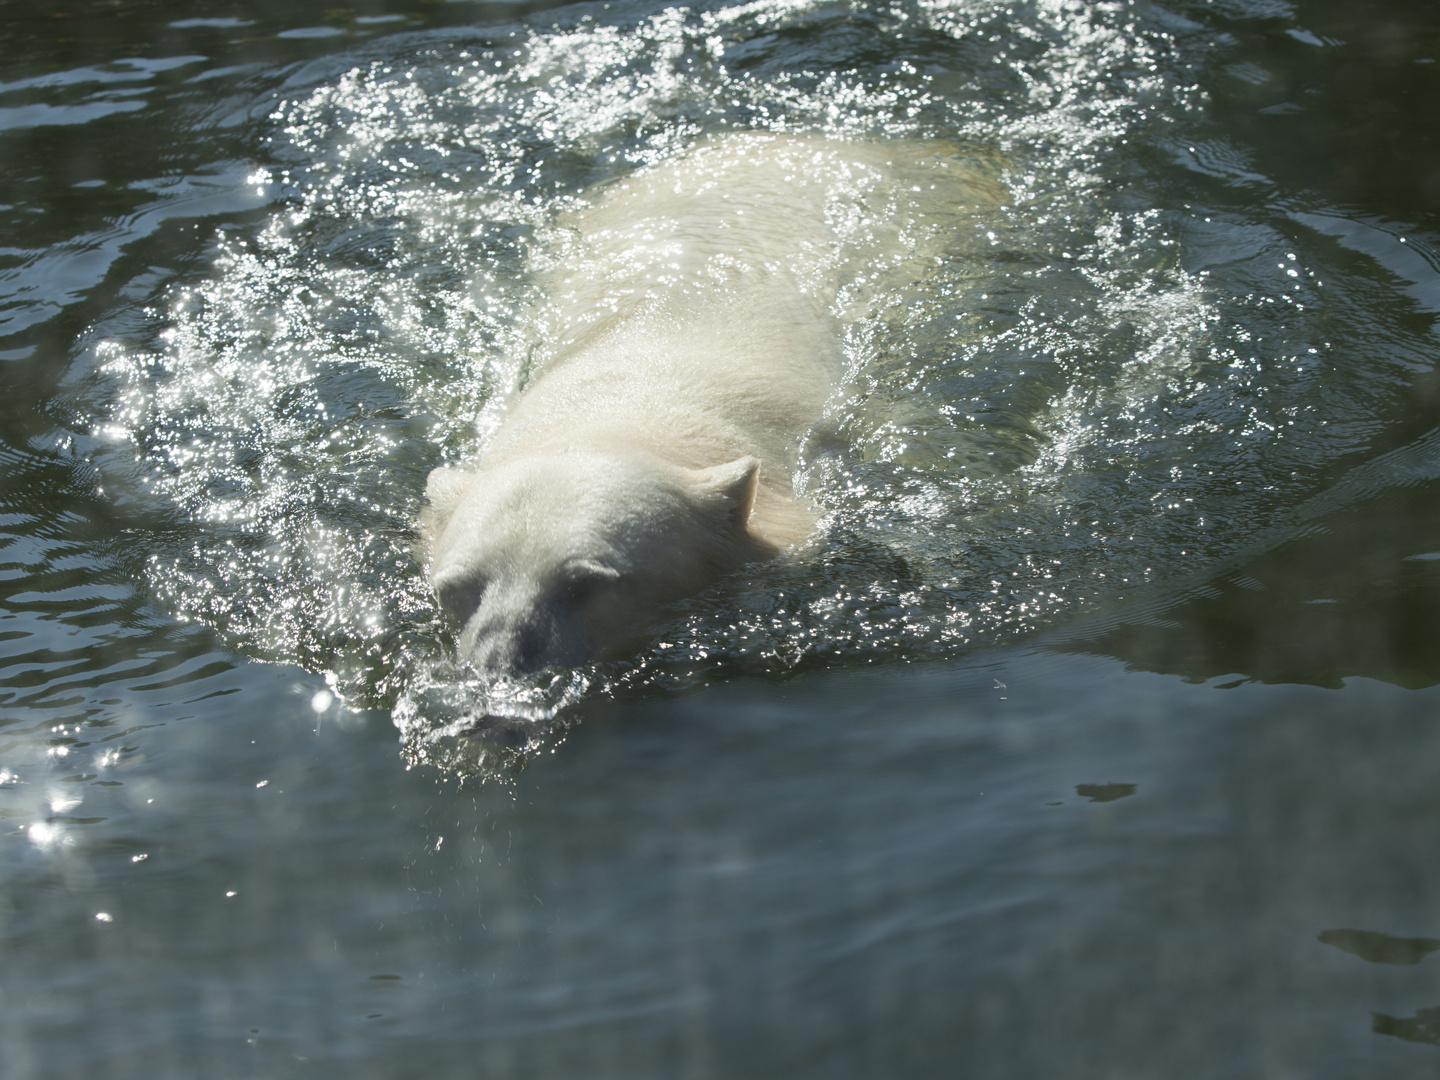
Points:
(1104, 792)
(1170, 410)
(1340, 101)
(1286, 615)
(1380, 948)
(1423, 1027)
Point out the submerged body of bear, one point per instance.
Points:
(690, 345)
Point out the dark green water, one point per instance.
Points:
(1095, 738)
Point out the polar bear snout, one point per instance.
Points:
(521, 628)
(512, 647)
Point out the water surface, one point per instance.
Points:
(1091, 734)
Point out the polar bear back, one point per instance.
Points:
(757, 217)
(688, 340)
(690, 305)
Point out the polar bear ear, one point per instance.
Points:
(443, 488)
(732, 487)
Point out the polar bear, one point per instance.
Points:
(689, 346)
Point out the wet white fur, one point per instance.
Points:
(689, 346)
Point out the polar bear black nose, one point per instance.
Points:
(509, 648)
(532, 650)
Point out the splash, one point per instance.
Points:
(1096, 387)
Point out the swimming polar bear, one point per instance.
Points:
(690, 345)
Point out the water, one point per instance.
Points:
(1090, 734)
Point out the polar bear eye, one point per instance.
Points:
(460, 599)
(583, 580)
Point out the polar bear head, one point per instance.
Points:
(556, 559)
